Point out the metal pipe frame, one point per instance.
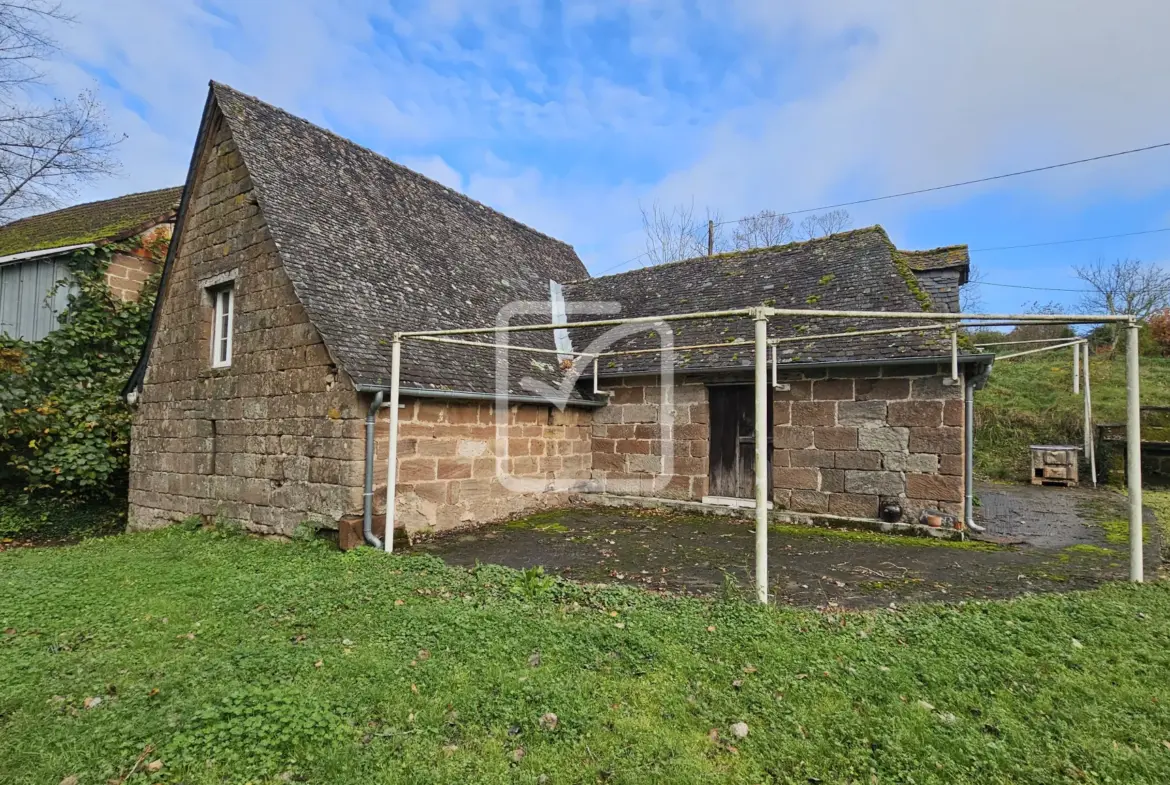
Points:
(761, 467)
(1014, 343)
(1091, 436)
(1133, 449)
(855, 333)
(1041, 349)
(519, 328)
(486, 345)
(760, 318)
(978, 318)
(1076, 370)
(392, 453)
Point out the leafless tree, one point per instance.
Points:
(970, 295)
(46, 149)
(1029, 332)
(1124, 286)
(825, 224)
(672, 233)
(762, 230)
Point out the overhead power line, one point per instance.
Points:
(1067, 242)
(976, 181)
(1034, 288)
(623, 264)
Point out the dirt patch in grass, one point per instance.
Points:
(808, 566)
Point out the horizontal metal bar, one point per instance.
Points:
(516, 328)
(1074, 318)
(883, 331)
(1035, 351)
(484, 344)
(1030, 340)
(458, 395)
(659, 349)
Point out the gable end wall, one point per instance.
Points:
(273, 440)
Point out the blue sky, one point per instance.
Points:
(569, 115)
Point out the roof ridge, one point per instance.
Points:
(177, 188)
(458, 194)
(936, 249)
(874, 229)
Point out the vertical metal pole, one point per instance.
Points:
(955, 355)
(1076, 369)
(392, 453)
(761, 457)
(710, 238)
(1133, 447)
(1091, 434)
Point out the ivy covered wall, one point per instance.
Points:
(64, 428)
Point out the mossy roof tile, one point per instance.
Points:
(92, 222)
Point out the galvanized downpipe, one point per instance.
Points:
(969, 458)
(368, 490)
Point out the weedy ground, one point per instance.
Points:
(201, 657)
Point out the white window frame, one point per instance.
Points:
(223, 300)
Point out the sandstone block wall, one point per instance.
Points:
(128, 272)
(630, 434)
(452, 469)
(842, 445)
(276, 438)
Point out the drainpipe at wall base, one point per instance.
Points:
(969, 459)
(368, 490)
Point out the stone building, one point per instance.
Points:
(297, 255)
(34, 252)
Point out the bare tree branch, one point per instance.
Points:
(1124, 286)
(970, 295)
(762, 230)
(45, 151)
(1029, 332)
(825, 224)
(673, 234)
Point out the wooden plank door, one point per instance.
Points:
(733, 441)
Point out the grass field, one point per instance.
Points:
(1030, 401)
(196, 657)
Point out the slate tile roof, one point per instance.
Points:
(944, 258)
(373, 248)
(105, 221)
(856, 270)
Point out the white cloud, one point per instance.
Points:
(814, 102)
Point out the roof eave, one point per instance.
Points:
(25, 256)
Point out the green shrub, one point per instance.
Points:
(64, 428)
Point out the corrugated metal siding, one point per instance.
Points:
(26, 309)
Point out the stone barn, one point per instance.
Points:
(297, 255)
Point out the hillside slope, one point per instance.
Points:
(1030, 401)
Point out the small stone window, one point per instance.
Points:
(222, 302)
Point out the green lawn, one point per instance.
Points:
(1030, 401)
(221, 658)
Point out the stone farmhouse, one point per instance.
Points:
(298, 254)
(34, 255)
